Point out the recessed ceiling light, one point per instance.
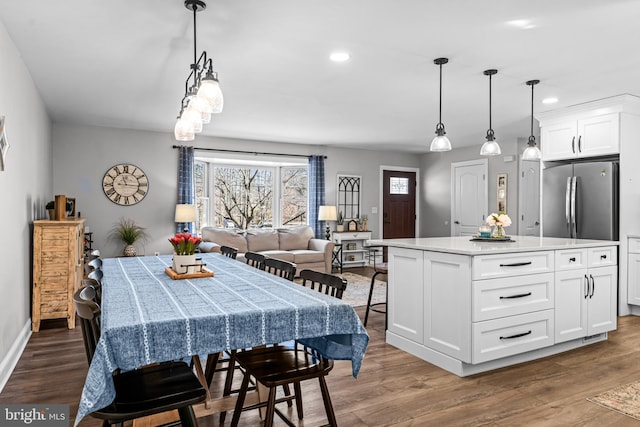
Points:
(524, 24)
(551, 100)
(339, 56)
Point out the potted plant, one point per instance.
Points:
(340, 222)
(127, 231)
(184, 252)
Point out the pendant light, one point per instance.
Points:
(490, 147)
(532, 152)
(440, 142)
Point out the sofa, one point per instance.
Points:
(295, 244)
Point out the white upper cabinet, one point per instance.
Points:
(591, 129)
(589, 137)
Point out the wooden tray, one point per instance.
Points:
(175, 276)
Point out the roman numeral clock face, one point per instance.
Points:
(125, 184)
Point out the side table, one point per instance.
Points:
(336, 257)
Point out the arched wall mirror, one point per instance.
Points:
(349, 190)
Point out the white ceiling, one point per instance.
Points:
(123, 63)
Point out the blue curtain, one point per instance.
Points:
(185, 183)
(316, 193)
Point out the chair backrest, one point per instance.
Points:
(96, 275)
(325, 283)
(95, 263)
(280, 268)
(228, 251)
(255, 259)
(89, 313)
(97, 287)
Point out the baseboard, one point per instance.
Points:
(8, 364)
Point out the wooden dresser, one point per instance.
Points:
(58, 256)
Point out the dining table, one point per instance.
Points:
(149, 317)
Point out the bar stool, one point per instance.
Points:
(379, 268)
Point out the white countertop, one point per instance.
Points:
(464, 246)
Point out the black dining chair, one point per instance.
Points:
(255, 259)
(284, 269)
(97, 287)
(145, 391)
(228, 251)
(280, 366)
(323, 282)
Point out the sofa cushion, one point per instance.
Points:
(295, 238)
(303, 256)
(262, 240)
(278, 254)
(225, 237)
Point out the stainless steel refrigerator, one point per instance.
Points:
(580, 200)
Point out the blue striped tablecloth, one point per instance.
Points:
(147, 317)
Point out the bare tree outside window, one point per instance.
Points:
(294, 195)
(243, 197)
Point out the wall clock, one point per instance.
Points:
(125, 184)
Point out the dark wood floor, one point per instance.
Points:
(394, 388)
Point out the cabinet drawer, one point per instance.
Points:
(364, 235)
(509, 296)
(571, 259)
(634, 245)
(516, 264)
(493, 339)
(603, 257)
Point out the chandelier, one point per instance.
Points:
(202, 94)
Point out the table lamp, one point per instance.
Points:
(185, 213)
(328, 213)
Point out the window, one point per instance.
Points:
(232, 194)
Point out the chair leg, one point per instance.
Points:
(210, 369)
(271, 408)
(328, 407)
(187, 417)
(366, 313)
(240, 402)
(287, 392)
(298, 392)
(228, 381)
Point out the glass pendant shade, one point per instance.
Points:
(440, 143)
(490, 148)
(201, 104)
(192, 115)
(532, 152)
(183, 131)
(211, 92)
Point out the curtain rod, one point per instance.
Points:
(247, 152)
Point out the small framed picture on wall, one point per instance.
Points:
(501, 192)
(4, 144)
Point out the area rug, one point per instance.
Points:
(624, 399)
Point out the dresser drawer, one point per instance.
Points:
(354, 235)
(571, 259)
(515, 264)
(603, 257)
(493, 339)
(510, 296)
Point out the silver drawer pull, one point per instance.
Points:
(516, 264)
(516, 336)
(517, 296)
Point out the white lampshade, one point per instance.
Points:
(440, 143)
(194, 116)
(183, 131)
(490, 148)
(327, 213)
(531, 153)
(185, 213)
(211, 92)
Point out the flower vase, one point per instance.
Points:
(181, 263)
(499, 232)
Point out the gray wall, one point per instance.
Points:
(436, 186)
(82, 154)
(25, 186)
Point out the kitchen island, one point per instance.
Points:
(473, 306)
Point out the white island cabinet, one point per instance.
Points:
(470, 307)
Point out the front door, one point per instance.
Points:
(469, 196)
(398, 204)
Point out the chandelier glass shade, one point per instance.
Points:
(532, 152)
(490, 146)
(202, 95)
(440, 142)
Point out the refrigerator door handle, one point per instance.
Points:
(574, 217)
(567, 210)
